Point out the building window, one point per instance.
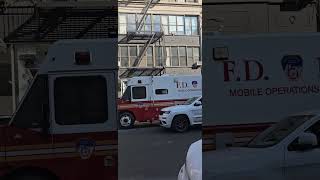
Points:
(178, 25)
(191, 25)
(133, 54)
(192, 55)
(165, 24)
(149, 55)
(131, 21)
(172, 24)
(159, 56)
(122, 24)
(182, 56)
(156, 22)
(124, 58)
(175, 56)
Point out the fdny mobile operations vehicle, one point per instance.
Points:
(180, 117)
(65, 126)
(145, 96)
(254, 81)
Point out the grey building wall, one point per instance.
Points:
(257, 18)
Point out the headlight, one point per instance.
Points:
(166, 112)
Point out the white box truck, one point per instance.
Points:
(259, 122)
(253, 81)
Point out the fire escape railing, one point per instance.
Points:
(140, 36)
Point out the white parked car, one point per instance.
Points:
(181, 117)
(192, 169)
(287, 150)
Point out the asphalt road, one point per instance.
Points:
(153, 153)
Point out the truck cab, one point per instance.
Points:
(65, 125)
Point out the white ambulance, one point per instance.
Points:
(145, 96)
(252, 82)
(255, 80)
(67, 119)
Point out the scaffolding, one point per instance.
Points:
(140, 36)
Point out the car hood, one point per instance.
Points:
(176, 108)
(194, 161)
(240, 159)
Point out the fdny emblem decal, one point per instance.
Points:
(85, 148)
(195, 84)
(292, 66)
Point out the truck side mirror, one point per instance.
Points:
(197, 103)
(305, 141)
(45, 123)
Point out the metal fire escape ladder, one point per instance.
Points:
(140, 36)
(144, 13)
(143, 51)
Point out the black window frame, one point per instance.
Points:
(82, 120)
(133, 95)
(161, 90)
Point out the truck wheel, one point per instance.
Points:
(126, 120)
(180, 123)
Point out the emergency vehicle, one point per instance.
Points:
(65, 127)
(181, 117)
(252, 81)
(145, 96)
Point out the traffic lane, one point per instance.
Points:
(153, 153)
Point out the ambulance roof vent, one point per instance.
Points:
(77, 55)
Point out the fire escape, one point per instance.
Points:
(145, 39)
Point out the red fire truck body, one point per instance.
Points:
(145, 96)
(65, 126)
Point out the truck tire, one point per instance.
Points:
(126, 120)
(180, 123)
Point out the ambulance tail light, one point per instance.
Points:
(82, 58)
(220, 53)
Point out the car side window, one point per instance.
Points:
(30, 112)
(315, 129)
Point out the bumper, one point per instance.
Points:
(165, 120)
(183, 175)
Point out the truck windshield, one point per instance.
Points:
(276, 133)
(191, 100)
(127, 94)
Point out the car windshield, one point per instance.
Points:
(191, 100)
(276, 133)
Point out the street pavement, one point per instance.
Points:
(153, 153)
